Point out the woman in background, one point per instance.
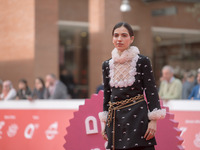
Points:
(8, 92)
(38, 92)
(24, 91)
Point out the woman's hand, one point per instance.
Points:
(104, 133)
(151, 130)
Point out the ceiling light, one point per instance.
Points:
(125, 6)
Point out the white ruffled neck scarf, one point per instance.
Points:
(126, 55)
(123, 67)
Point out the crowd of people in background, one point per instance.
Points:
(173, 88)
(51, 88)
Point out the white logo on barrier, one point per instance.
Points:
(183, 129)
(96, 149)
(52, 131)
(11, 117)
(197, 140)
(2, 123)
(12, 130)
(35, 117)
(30, 129)
(94, 124)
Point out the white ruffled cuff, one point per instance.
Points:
(103, 116)
(157, 114)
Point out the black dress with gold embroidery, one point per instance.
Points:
(131, 122)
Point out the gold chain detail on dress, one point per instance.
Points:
(120, 105)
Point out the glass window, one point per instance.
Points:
(73, 59)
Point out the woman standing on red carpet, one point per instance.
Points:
(130, 120)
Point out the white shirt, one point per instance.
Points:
(10, 96)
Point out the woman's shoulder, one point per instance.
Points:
(106, 63)
(142, 57)
(144, 60)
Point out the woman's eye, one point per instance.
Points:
(116, 35)
(124, 35)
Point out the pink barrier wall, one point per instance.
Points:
(33, 129)
(189, 123)
(43, 126)
(85, 129)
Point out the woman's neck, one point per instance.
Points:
(126, 55)
(120, 52)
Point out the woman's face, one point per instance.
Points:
(122, 39)
(6, 88)
(38, 84)
(21, 86)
